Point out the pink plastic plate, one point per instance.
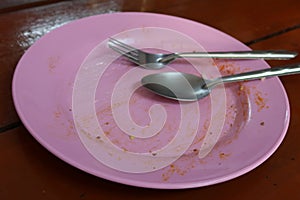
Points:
(85, 104)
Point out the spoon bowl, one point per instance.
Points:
(177, 86)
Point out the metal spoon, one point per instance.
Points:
(188, 87)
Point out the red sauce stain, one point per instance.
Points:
(52, 63)
(105, 111)
(57, 114)
(62, 117)
(188, 162)
(227, 68)
(260, 101)
(223, 155)
(70, 128)
(172, 170)
(106, 133)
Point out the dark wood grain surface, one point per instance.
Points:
(29, 171)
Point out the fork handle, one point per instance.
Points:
(255, 54)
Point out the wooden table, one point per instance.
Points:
(29, 171)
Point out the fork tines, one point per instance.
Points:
(124, 49)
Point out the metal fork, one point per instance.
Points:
(158, 61)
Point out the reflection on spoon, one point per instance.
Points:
(188, 87)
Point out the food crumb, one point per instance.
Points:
(131, 137)
(57, 114)
(223, 155)
(172, 170)
(260, 101)
(262, 123)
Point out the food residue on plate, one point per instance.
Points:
(228, 68)
(131, 137)
(52, 63)
(223, 155)
(260, 101)
(172, 169)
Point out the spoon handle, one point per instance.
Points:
(255, 54)
(258, 74)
